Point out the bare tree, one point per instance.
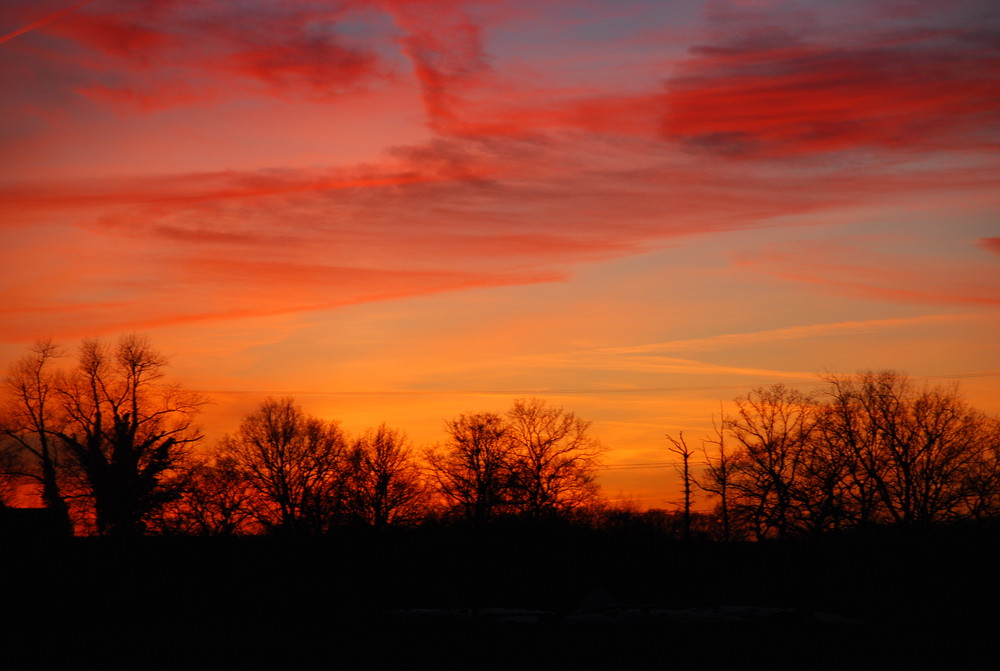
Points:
(297, 465)
(217, 500)
(556, 458)
(10, 469)
(982, 478)
(28, 422)
(718, 473)
(124, 430)
(874, 448)
(681, 449)
(386, 486)
(473, 471)
(915, 449)
(772, 429)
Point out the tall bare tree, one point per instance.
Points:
(717, 476)
(680, 447)
(556, 458)
(125, 430)
(772, 429)
(29, 418)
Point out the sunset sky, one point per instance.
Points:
(399, 211)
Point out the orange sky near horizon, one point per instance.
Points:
(400, 211)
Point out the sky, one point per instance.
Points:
(400, 211)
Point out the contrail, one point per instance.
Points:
(42, 21)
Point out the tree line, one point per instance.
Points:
(111, 447)
(864, 450)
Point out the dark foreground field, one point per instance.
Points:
(507, 599)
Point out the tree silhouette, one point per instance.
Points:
(124, 429)
(537, 460)
(772, 429)
(916, 451)
(871, 448)
(29, 420)
(217, 500)
(680, 447)
(474, 470)
(296, 464)
(10, 469)
(555, 459)
(982, 476)
(718, 475)
(386, 485)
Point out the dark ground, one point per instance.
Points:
(421, 599)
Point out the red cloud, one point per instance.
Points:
(990, 244)
(203, 187)
(159, 55)
(777, 96)
(118, 35)
(465, 96)
(321, 64)
(447, 54)
(43, 21)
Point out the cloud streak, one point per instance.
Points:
(45, 20)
